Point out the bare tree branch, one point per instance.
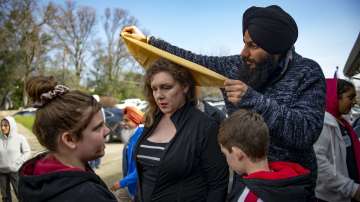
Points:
(73, 27)
(111, 55)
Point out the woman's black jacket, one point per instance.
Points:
(192, 167)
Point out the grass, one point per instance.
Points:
(26, 121)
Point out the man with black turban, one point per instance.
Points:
(270, 78)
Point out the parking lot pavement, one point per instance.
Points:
(110, 168)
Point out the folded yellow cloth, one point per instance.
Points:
(146, 54)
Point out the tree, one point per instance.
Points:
(73, 27)
(111, 56)
(56, 40)
(132, 86)
(24, 44)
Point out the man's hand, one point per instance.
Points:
(115, 186)
(235, 90)
(135, 33)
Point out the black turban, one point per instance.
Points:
(271, 28)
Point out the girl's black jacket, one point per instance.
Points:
(61, 186)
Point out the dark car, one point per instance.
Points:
(26, 112)
(113, 117)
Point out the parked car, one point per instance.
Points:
(355, 112)
(128, 102)
(356, 126)
(219, 104)
(142, 105)
(30, 111)
(113, 117)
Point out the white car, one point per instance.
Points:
(142, 105)
(134, 102)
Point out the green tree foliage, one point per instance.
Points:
(111, 56)
(59, 39)
(130, 87)
(23, 44)
(72, 28)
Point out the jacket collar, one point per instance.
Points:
(181, 115)
(178, 117)
(279, 170)
(330, 119)
(283, 65)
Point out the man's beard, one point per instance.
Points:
(126, 133)
(260, 75)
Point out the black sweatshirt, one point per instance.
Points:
(61, 186)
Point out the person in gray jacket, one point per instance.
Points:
(14, 151)
(338, 148)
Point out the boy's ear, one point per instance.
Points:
(239, 154)
(68, 140)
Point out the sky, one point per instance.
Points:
(327, 28)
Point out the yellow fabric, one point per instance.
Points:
(146, 54)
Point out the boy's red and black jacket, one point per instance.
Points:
(285, 182)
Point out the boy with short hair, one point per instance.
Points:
(244, 140)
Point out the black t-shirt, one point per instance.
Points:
(350, 156)
(149, 156)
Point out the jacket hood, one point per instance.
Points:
(44, 185)
(280, 170)
(332, 102)
(12, 123)
(286, 182)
